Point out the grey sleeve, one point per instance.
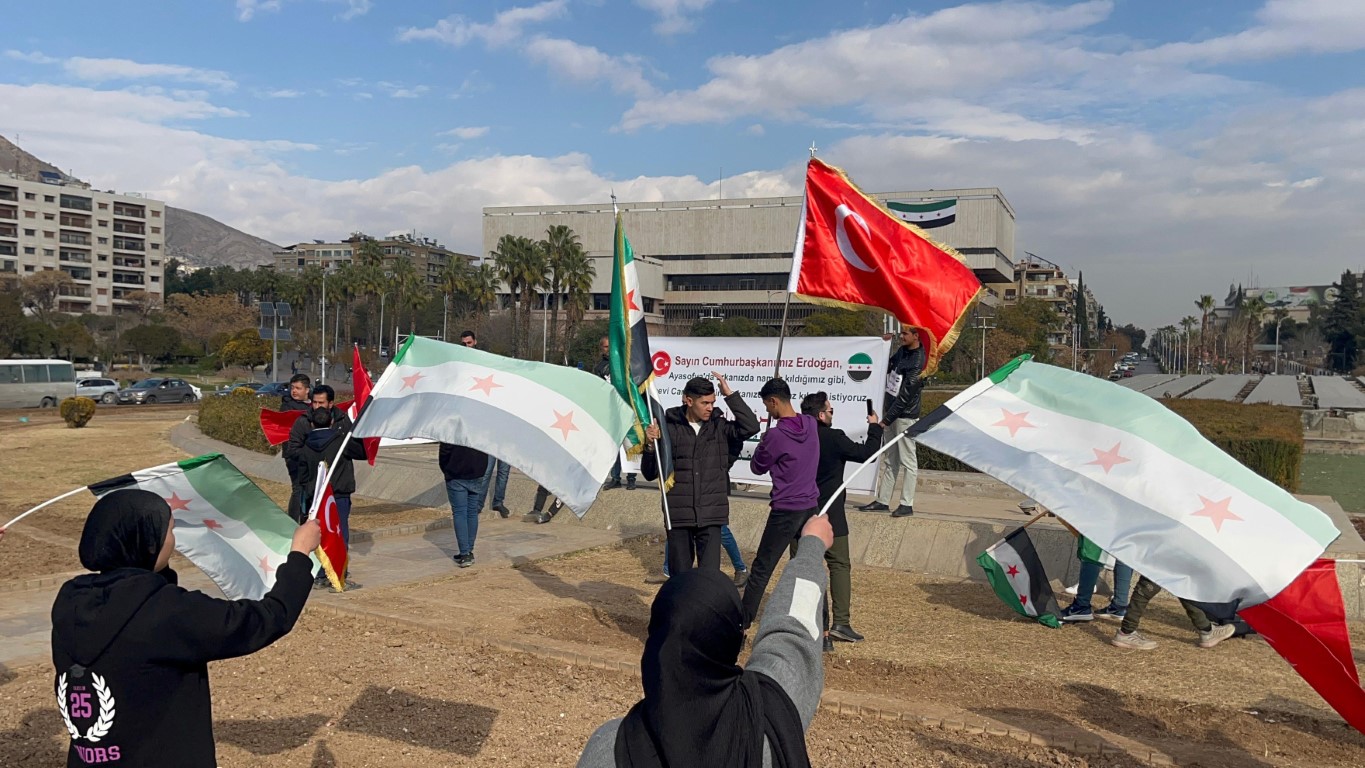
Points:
(600, 751)
(787, 647)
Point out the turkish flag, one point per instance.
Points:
(332, 551)
(1306, 624)
(276, 424)
(852, 252)
(360, 382)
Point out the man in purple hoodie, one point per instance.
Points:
(790, 450)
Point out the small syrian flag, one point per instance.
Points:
(1017, 576)
(224, 524)
(939, 213)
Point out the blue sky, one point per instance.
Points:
(1165, 148)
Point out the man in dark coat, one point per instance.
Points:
(699, 502)
(835, 450)
(296, 401)
(902, 410)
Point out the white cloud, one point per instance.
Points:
(400, 91)
(755, 130)
(247, 9)
(1284, 27)
(467, 132)
(675, 16)
(505, 28)
(105, 70)
(585, 64)
(34, 57)
(282, 93)
(355, 8)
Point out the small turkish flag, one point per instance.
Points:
(360, 382)
(852, 252)
(332, 551)
(276, 424)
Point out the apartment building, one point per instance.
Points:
(111, 244)
(732, 257)
(1037, 278)
(427, 255)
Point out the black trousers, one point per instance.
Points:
(688, 545)
(782, 529)
(297, 494)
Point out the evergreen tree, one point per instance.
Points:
(1082, 320)
(1343, 325)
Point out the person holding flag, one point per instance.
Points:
(323, 444)
(131, 648)
(904, 383)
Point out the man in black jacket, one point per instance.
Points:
(901, 410)
(835, 450)
(296, 400)
(699, 503)
(465, 471)
(323, 443)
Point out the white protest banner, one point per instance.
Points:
(849, 369)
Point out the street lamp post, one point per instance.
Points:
(322, 337)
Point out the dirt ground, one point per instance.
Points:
(422, 700)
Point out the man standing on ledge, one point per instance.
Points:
(903, 387)
(790, 450)
(699, 503)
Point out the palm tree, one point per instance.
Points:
(561, 243)
(452, 283)
(577, 274)
(370, 281)
(1188, 322)
(1252, 310)
(1205, 305)
(522, 268)
(482, 291)
(409, 289)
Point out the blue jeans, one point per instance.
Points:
(344, 512)
(1090, 575)
(462, 495)
(499, 486)
(727, 540)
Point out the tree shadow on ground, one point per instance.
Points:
(268, 737)
(32, 741)
(1293, 714)
(407, 718)
(626, 608)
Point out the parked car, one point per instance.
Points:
(275, 389)
(103, 390)
(228, 389)
(1115, 375)
(1127, 373)
(157, 391)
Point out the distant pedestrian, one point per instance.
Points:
(296, 400)
(790, 451)
(464, 469)
(499, 471)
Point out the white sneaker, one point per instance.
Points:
(1073, 589)
(1132, 640)
(1216, 635)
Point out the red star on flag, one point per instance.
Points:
(212, 524)
(485, 385)
(1023, 599)
(564, 423)
(1014, 421)
(1108, 459)
(178, 504)
(1013, 570)
(630, 301)
(411, 381)
(1217, 511)
(266, 567)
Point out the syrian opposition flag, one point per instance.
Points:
(1018, 578)
(224, 524)
(939, 213)
(562, 426)
(332, 551)
(632, 367)
(853, 252)
(1141, 483)
(361, 386)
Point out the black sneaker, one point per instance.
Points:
(321, 582)
(615, 482)
(875, 506)
(464, 561)
(904, 510)
(846, 633)
(630, 483)
(828, 645)
(502, 511)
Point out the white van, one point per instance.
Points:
(35, 383)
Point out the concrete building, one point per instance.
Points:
(732, 257)
(1037, 278)
(427, 255)
(110, 244)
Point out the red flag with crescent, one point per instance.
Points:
(332, 551)
(361, 384)
(854, 253)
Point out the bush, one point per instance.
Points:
(77, 411)
(1267, 439)
(235, 419)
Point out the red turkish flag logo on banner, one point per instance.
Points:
(852, 252)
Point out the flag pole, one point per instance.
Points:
(797, 248)
(663, 492)
(360, 414)
(782, 333)
(44, 504)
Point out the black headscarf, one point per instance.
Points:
(125, 529)
(700, 708)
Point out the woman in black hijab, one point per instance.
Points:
(700, 708)
(131, 648)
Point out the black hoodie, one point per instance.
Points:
(131, 650)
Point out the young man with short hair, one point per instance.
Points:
(321, 397)
(699, 502)
(468, 339)
(790, 452)
(296, 400)
(498, 471)
(901, 409)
